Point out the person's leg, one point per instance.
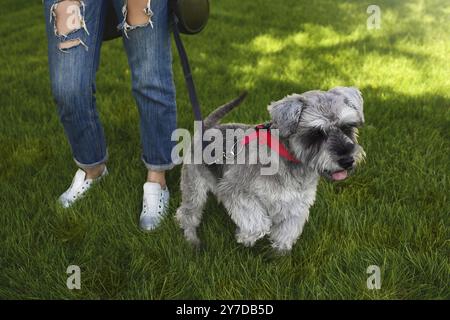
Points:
(74, 32)
(147, 41)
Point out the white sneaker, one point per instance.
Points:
(78, 187)
(154, 205)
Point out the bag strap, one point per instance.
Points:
(187, 72)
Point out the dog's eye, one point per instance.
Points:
(317, 133)
(347, 130)
(314, 137)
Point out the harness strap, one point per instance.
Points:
(265, 137)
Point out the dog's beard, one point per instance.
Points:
(318, 158)
(328, 168)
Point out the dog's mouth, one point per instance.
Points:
(337, 175)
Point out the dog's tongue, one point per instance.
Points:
(339, 175)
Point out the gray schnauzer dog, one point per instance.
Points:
(319, 128)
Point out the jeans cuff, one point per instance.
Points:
(158, 167)
(90, 165)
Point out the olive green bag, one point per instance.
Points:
(191, 15)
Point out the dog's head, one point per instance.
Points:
(321, 129)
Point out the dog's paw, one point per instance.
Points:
(248, 243)
(249, 239)
(272, 255)
(195, 243)
(281, 249)
(282, 252)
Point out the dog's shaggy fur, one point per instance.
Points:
(319, 128)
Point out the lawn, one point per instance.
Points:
(393, 213)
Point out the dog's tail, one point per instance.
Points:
(215, 116)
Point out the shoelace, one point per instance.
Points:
(156, 206)
(73, 195)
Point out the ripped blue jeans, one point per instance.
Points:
(73, 56)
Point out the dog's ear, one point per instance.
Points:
(286, 113)
(352, 97)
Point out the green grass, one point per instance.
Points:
(393, 213)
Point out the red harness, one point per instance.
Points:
(265, 137)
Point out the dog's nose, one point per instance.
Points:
(346, 162)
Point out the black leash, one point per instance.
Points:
(187, 72)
